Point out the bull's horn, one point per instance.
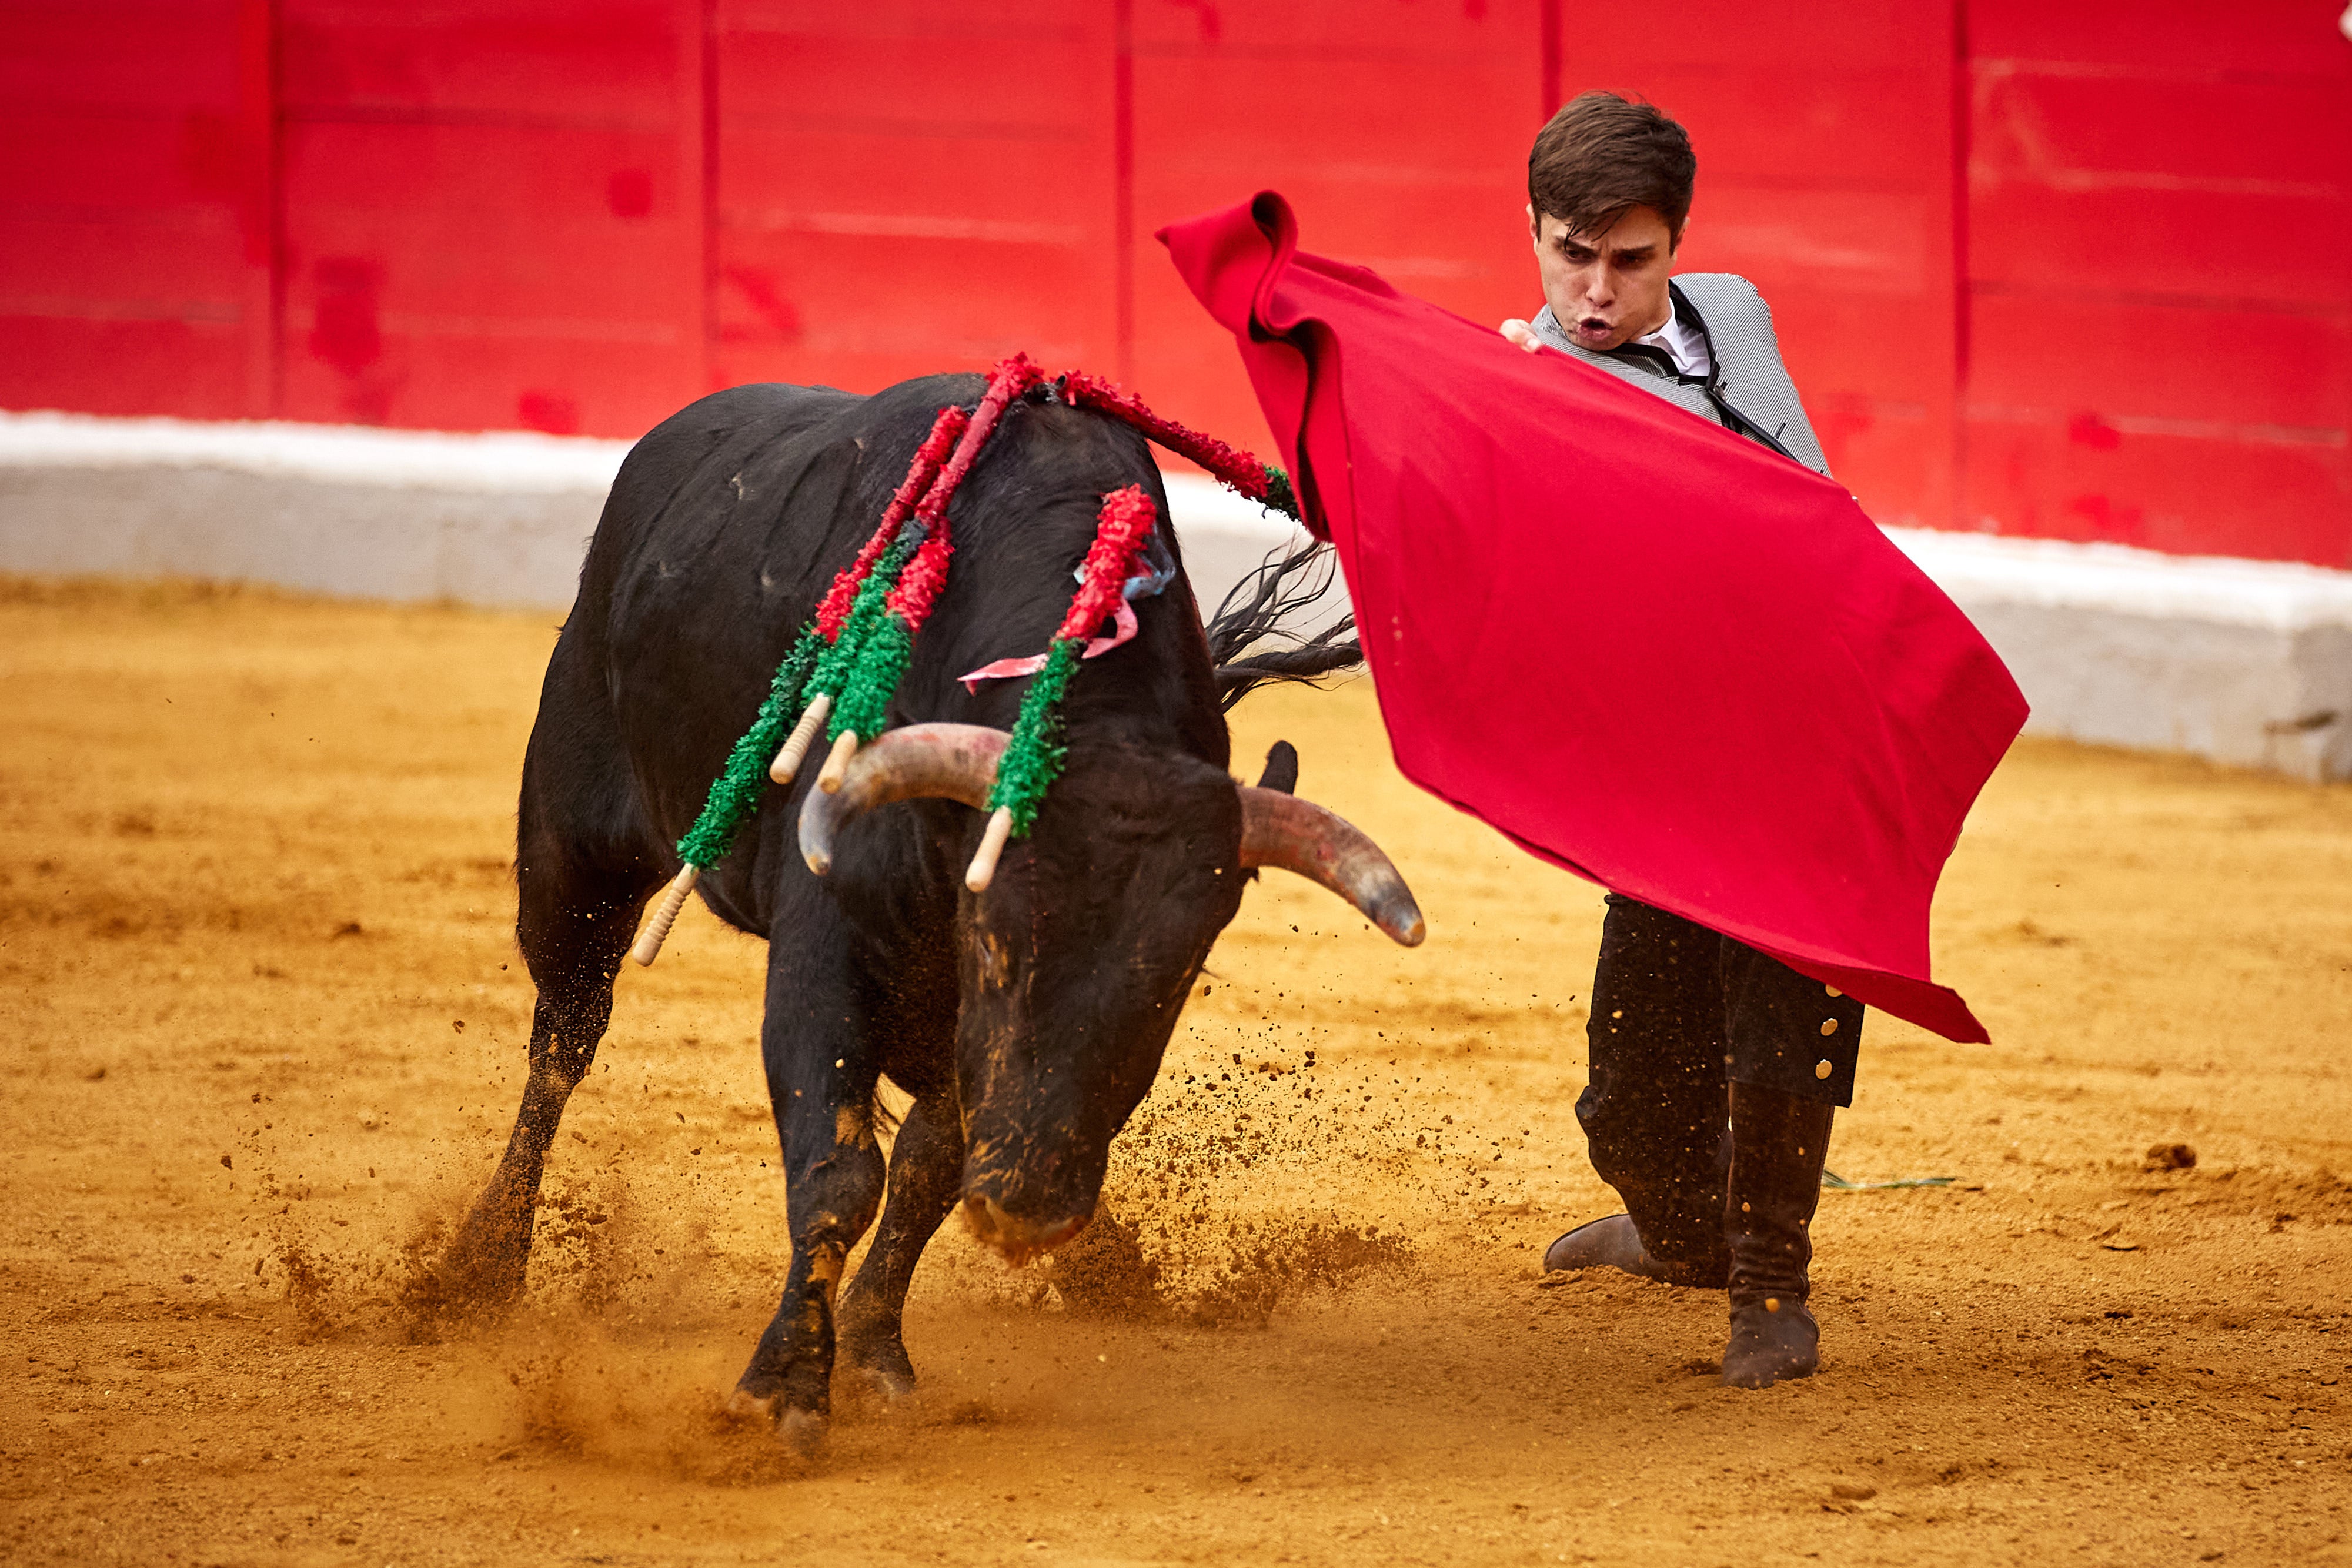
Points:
(1301, 836)
(933, 761)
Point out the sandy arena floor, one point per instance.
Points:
(264, 1033)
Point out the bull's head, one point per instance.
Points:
(1076, 960)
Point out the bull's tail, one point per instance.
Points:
(1271, 606)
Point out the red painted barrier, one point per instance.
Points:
(135, 253)
(2160, 275)
(2083, 271)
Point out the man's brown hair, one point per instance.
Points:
(1604, 155)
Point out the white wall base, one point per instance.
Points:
(2247, 662)
(500, 520)
(333, 538)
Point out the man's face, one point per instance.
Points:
(1610, 288)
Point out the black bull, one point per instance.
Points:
(1026, 1021)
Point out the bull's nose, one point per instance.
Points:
(1017, 1238)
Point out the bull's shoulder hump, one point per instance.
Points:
(721, 426)
(770, 409)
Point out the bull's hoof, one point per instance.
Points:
(893, 1386)
(479, 1276)
(486, 1278)
(486, 1262)
(880, 1359)
(804, 1432)
(748, 1407)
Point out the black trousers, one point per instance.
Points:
(1679, 1013)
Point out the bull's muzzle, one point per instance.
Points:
(1017, 1239)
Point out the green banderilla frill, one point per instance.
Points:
(736, 792)
(865, 696)
(812, 666)
(839, 663)
(1034, 757)
(1279, 494)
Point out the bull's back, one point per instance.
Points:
(668, 486)
(587, 788)
(723, 528)
(728, 520)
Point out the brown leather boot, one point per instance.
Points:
(1616, 1243)
(1778, 1145)
(1672, 1228)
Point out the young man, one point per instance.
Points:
(1715, 1068)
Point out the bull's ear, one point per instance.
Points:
(1281, 769)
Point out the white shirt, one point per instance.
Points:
(1684, 343)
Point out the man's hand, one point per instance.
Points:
(1519, 332)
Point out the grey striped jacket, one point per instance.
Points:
(1748, 374)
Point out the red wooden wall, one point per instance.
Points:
(136, 251)
(2159, 242)
(2083, 271)
(490, 214)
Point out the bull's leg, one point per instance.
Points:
(574, 953)
(821, 1074)
(926, 1175)
(580, 881)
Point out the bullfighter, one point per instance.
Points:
(1714, 1068)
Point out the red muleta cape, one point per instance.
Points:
(1644, 648)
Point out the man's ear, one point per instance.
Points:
(1535, 225)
